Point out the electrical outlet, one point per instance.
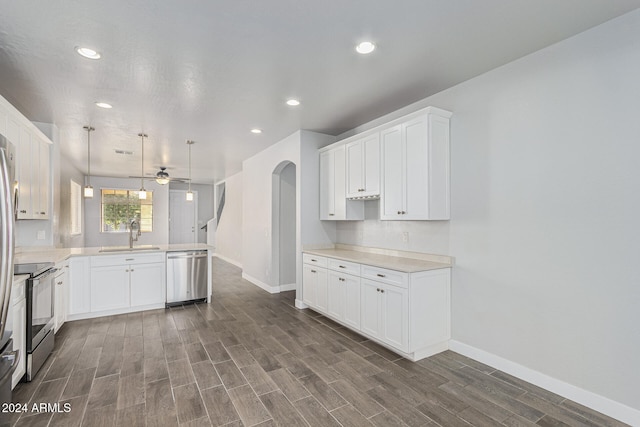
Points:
(41, 235)
(405, 237)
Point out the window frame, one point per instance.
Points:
(131, 195)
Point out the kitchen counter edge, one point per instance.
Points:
(405, 265)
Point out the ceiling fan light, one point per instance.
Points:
(162, 181)
(88, 192)
(162, 177)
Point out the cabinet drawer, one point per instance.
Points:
(132, 258)
(320, 261)
(344, 266)
(384, 275)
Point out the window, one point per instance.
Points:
(120, 207)
(75, 208)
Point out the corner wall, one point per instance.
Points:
(545, 209)
(229, 232)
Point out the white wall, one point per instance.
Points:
(229, 232)
(300, 148)
(285, 211)
(545, 211)
(92, 213)
(68, 173)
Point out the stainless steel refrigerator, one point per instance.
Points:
(8, 358)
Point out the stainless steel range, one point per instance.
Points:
(40, 316)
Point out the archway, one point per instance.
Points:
(284, 225)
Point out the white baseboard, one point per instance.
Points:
(289, 287)
(261, 284)
(594, 401)
(229, 260)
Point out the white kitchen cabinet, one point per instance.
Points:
(409, 313)
(385, 313)
(415, 167)
(314, 292)
(147, 284)
(333, 201)
(79, 286)
(33, 175)
(19, 326)
(61, 282)
(122, 282)
(363, 167)
(109, 287)
(344, 298)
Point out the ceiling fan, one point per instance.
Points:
(161, 177)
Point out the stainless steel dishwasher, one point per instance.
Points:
(186, 276)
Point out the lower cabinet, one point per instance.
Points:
(408, 313)
(111, 284)
(384, 313)
(314, 288)
(344, 298)
(61, 282)
(147, 284)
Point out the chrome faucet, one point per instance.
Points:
(134, 224)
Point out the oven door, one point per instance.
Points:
(40, 300)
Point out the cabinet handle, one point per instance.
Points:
(59, 283)
(43, 213)
(23, 211)
(131, 269)
(399, 212)
(313, 271)
(314, 260)
(341, 279)
(403, 212)
(381, 275)
(129, 259)
(342, 266)
(382, 291)
(377, 289)
(331, 214)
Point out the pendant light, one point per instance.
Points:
(142, 194)
(88, 189)
(190, 193)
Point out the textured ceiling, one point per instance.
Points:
(212, 70)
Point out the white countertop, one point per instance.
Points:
(57, 255)
(392, 262)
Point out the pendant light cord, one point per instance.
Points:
(89, 129)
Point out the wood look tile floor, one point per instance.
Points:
(250, 358)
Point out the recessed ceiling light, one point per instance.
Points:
(293, 102)
(104, 105)
(365, 47)
(88, 52)
(256, 130)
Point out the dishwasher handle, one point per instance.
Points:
(187, 255)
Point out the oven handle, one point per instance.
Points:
(44, 275)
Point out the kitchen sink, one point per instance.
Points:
(128, 249)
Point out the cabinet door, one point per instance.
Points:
(394, 316)
(60, 307)
(337, 293)
(340, 184)
(416, 169)
(370, 308)
(355, 164)
(147, 284)
(23, 172)
(327, 185)
(19, 339)
(371, 146)
(79, 285)
(351, 286)
(393, 174)
(321, 289)
(309, 279)
(42, 211)
(109, 287)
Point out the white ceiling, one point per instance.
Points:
(212, 70)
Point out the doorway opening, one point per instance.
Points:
(283, 217)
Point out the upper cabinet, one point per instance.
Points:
(415, 167)
(363, 167)
(404, 163)
(33, 170)
(333, 202)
